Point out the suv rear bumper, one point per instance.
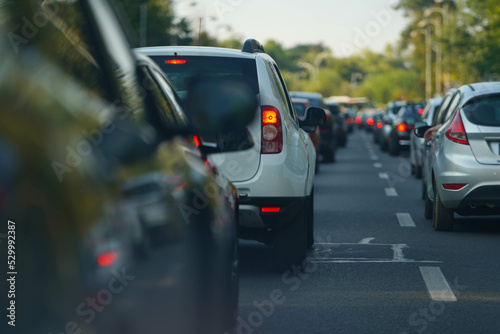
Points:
(251, 215)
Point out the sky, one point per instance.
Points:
(344, 26)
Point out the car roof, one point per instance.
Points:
(306, 94)
(196, 51)
(300, 100)
(480, 88)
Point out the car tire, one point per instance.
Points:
(393, 148)
(418, 172)
(329, 156)
(428, 208)
(144, 247)
(310, 219)
(443, 217)
(383, 145)
(289, 247)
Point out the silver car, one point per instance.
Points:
(416, 142)
(464, 157)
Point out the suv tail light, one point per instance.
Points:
(456, 130)
(401, 127)
(272, 137)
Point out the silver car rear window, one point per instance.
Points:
(484, 111)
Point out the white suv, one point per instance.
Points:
(275, 178)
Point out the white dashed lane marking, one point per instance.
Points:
(405, 220)
(391, 192)
(436, 283)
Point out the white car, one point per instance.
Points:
(275, 178)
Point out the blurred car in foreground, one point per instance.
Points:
(465, 156)
(328, 130)
(275, 178)
(301, 106)
(93, 120)
(402, 126)
(416, 143)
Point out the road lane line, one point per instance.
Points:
(391, 192)
(374, 157)
(377, 165)
(405, 220)
(436, 283)
(366, 241)
(383, 176)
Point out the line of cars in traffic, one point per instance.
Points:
(454, 148)
(131, 174)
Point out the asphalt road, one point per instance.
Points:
(377, 265)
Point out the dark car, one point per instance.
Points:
(402, 126)
(392, 108)
(341, 120)
(301, 106)
(327, 131)
(81, 120)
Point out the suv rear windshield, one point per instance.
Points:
(182, 70)
(484, 111)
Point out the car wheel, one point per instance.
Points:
(393, 148)
(290, 243)
(329, 156)
(428, 213)
(232, 280)
(443, 217)
(383, 145)
(144, 247)
(310, 219)
(418, 171)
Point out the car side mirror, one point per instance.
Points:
(420, 129)
(218, 106)
(313, 117)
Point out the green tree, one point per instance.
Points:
(161, 27)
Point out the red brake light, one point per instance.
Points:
(401, 127)
(379, 125)
(349, 120)
(456, 131)
(196, 141)
(175, 61)
(369, 121)
(420, 111)
(270, 209)
(269, 117)
(454, 186)
(272, 137)
(358, 120)
(107, 259)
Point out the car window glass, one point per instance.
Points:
(121, 62)
(69, 31)
(300, 109)
(439, 114)
(453, 106)
(173, 110)
(484, 111)
(181, 71)
(427, 109)
(162, 106)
